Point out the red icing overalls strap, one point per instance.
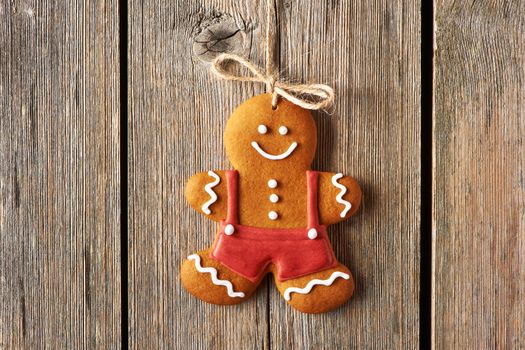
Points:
(296, 252)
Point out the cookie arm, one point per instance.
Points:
(207, 193)
(334, 207)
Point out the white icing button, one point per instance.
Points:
(274, 198)
(262, 129)
(312, 233)
(273, 215)
(283, 130)
(272, 183)
(229, 230)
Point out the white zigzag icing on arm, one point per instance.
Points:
(339, 198)
(213, 272)
(312, 283)
(213, 196)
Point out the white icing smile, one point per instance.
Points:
(271, 156)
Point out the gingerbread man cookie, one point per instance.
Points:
(273, 213)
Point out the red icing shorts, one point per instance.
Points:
(249, 250)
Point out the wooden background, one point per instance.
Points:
(67, 129)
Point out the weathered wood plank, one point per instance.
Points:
(177, 116)
(479, 211)
(59, 175)
(370, 52)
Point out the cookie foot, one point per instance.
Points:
(212, 282)
(319, 292)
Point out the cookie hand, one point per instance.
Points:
(206, 192)
(339, 197)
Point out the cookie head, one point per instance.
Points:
(257, 135)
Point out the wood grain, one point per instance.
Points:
(60, 161)
(59, 175)
(369, 51)
(479, 189)
(177, 116)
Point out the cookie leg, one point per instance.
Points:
(318, 292)
(212, 282)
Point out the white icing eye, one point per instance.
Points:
(262, 129)
(283, 130)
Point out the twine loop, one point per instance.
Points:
(308, 96)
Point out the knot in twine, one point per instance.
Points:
(308, 96)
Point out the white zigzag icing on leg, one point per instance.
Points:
(312, 283)
(339, 197)
(213, 272)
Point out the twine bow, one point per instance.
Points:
(308, 96)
